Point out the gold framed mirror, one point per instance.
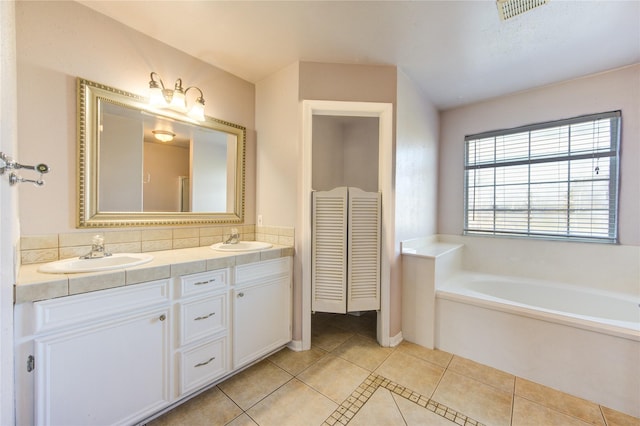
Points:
(141, 166)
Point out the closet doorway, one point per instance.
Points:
(364, 160)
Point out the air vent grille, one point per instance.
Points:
(510, 8)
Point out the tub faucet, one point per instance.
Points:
(234, 238)
(97, 249)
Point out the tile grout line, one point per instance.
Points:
(350, 407)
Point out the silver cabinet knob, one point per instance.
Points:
(241, 294)
(162, 317)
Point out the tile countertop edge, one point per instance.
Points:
(33, 286)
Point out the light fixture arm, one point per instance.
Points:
(160, 96)
(178, 86)
(153, 84)
(200, 98)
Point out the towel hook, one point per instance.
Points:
(7, 163)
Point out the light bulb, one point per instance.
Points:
(179, 101)
(197, 110)
(156, 98)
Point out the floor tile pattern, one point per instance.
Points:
(347, 378)
(350, 407)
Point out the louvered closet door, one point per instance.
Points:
(363, 273)
(329, 251)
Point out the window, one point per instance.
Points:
(549, 180)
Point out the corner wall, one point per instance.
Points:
(279, 158)
(278, 162)
(416, 178)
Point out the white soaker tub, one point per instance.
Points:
(581, 341)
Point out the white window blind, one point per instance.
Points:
(555, 180)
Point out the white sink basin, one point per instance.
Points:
(242, 246)
(115, 261)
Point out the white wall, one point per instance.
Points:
(9, 230)
(417, 132)
(617, 89)
(59, 41)
(416, 174)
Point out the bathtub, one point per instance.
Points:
(580, 341)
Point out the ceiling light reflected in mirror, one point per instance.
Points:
(163, 135)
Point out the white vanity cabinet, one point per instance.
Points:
(202, 336)
(102, 357)
(261, 309)
(122, 355)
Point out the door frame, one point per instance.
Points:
(384, 112)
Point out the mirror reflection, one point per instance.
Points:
(148, 167)
(169, 167)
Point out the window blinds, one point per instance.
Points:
(555, 180)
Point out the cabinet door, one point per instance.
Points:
(261, 319)
(114, 372)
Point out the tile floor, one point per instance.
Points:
(347, 378)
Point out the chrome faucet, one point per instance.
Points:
(97, 249)
(234, 238)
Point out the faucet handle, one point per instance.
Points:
(98, 240)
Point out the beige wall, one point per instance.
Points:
(278, 163)
(163, 166)
(342, 82)
(614, 90)
(345, 152)
(59, 41)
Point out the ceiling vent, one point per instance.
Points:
(510, 8)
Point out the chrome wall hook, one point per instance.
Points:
(7, 163)
(14, 178)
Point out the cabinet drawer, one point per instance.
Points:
(262, 270)
(203, 282)
(83, 308)
(202, 318)
(202, 364)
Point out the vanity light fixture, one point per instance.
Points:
(163, 135)
(176, 99)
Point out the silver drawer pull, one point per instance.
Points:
(204, 317)
(205, 363)
(212, 280)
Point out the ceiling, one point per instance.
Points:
(457, 52)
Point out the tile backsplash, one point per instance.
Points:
(50, 247)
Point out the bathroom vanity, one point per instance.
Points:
(122, 354)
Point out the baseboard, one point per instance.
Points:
(395, 340)
(295, 345)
